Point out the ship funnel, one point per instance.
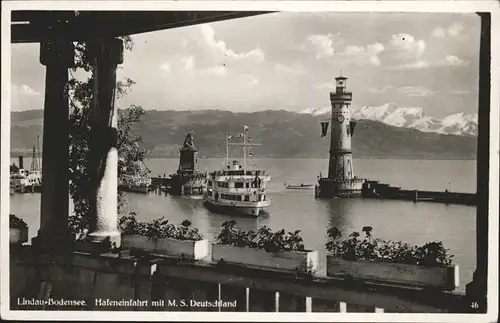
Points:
(21, 165)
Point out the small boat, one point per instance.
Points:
(298, 187)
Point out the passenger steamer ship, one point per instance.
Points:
(235, 188)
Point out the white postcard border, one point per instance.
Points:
(305, 6)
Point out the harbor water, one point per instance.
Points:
(415, 223)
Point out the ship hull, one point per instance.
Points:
(135, 189)
(308, 187)
(249, 210)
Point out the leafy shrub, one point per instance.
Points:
(354, 248)
(16, 223)
(158, 228)
(264, 238)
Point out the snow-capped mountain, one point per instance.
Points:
(316, 112)
(413, 117)
(460, 123)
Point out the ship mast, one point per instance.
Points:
(245, 144)
(39, 162)
(227, 149)
(33, 160)
(244, 151)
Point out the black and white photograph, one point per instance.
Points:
(268, 161)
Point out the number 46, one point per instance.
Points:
(474, 305)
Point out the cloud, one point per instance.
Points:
(381, 90)
(322, 45)
(23, 97)
(460, 92)
(295, 69)
(220, 46)
(23, 90)
(419, 91)
(449, 60)
(412, 91)
(420, 64)
(250, 79)
(439, 32)
(323, 48)
(325, 86)
(453, 60)
(403, 51)
(216, 70)
(454, 30)
(187, 62)
(165, 67)
(405, 47)
(362, 55)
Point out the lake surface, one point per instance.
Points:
(415, 223)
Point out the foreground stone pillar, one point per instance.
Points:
(105, 55)
(54, 232)
(476, 290)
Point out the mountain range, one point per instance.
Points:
(281, 133)
(456, 124)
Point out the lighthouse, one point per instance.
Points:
(341, 181)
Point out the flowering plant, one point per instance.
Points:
(355, 248)
(264, 238)
(158, 228)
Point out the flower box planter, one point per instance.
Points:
(303, 260)
(18, 235)
(444, 278)
(191, 249)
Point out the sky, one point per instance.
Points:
(288, 61)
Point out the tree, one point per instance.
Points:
(130, 153)
(13, 168)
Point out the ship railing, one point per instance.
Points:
(241, 190)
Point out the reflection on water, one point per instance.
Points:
(415, 223)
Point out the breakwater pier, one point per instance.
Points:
(374, 189)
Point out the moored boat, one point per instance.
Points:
(27, 181)
(138, 182)
(236, 189)
(299, 187)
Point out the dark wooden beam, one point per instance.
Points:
(63, 25)
(476, 290)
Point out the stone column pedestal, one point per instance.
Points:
(105, 55)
